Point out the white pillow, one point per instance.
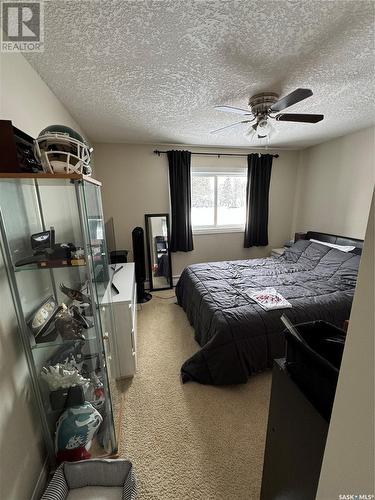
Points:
(343, 248)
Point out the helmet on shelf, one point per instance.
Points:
(61, 149)
(77, 427)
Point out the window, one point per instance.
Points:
(218, 200)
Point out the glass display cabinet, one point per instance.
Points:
(53, 244)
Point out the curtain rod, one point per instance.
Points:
(157, 152)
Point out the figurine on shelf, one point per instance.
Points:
(95, 392)
(78, 316)
(47, 253)
(74, 294)
(75, 431)
(67, 326)
(70, 351)
(78, 253)
(66, 384)
(41, 321)
(78, 296)
(63, 375)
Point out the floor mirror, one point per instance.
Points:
(159, 256)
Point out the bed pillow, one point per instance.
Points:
(342, 248)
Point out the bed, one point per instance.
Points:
(237, 337)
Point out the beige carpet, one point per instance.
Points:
(189, 442)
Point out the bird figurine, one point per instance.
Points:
(74, 294)
(68, 327)
(78, 316)
(85, 306)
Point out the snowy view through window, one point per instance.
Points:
(218, 200)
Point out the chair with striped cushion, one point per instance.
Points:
(96, 479)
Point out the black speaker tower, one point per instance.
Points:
(140, 265)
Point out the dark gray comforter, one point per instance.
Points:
(237, 337)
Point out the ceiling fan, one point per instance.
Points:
(266, 106)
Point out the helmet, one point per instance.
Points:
(62, 149)
(76, 427)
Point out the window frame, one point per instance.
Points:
(215, 173)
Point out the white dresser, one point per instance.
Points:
(121, 348)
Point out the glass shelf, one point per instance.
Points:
(56, 413)
(35, 267)
(89, 334)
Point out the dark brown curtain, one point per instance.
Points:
(258, 184)
(180, 191)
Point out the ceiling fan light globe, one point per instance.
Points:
(263, 128)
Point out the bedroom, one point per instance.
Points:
(135, 77)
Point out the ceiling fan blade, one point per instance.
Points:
(228, 126)
(290, 99)
(231, 109)
(299, 117)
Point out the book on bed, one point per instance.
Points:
(269, 299)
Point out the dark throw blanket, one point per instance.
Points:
(237, 337)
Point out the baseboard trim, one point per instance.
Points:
(41, 482)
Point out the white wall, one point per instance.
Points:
(335, 184)
(334, 191)
(26, 99)
(28, 102)
(348, 464)
(135, 182)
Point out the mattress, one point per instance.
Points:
(237, 337)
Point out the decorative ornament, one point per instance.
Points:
(63, 375)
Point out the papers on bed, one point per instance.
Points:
(269, 299)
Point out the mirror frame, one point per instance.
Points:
(148, 217)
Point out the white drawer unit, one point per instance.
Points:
(121, 348)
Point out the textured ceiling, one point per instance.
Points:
(152, 71)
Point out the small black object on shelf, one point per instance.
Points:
(47, 253)
(63, 398)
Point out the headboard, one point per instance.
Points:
(336, 239)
